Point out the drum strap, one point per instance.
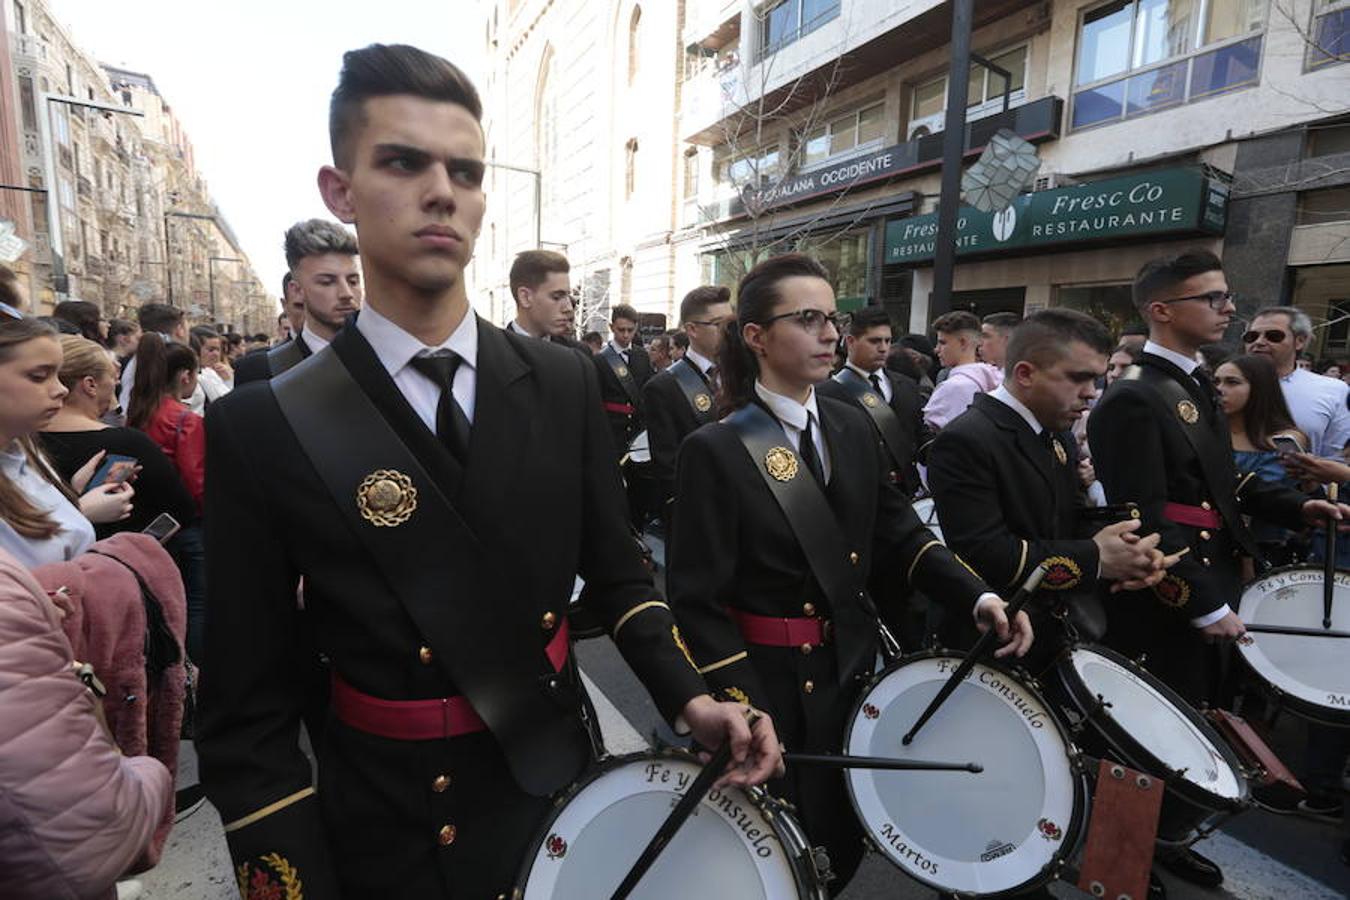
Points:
(884, 419)
(696, 390)
(623, 373)
(1119, 849)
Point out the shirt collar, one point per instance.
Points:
(1005, 396)
(396, 347)
(698, 359)
(1187, 364)
(620, 350)
(312, 340)
(513, 325)
(866, 376)
(787, 410)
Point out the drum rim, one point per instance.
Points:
(606, 764)
(1150, 764)
(1306, 709)
(1082, 798)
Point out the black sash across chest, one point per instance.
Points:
(884, 419)
(623, 373)
(695, 390)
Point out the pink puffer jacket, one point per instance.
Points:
(74, 813)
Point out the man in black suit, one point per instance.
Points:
(326, 279)
(542, 290)
(389, 471)
(895, 407)
(624, 368)
(1159, 440)
(684, 397)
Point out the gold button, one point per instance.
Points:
(548, 621)
(446, 836)
(808, 609)
(1204, 535)
(1204, 504)
(806, 649)
(1205, 561)
(809, 686)
(853, 558)
(424, 654)
(440, 784)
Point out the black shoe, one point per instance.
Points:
(1322, 807)
(187, 801)
(1190, 866)
(1156, 889)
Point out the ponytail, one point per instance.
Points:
(157, 367)
(737, 368)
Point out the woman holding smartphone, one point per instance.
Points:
(735, 554)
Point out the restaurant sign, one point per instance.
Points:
(1171, 201)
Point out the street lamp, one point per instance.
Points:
(211, 279)
(168, 270)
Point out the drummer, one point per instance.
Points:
(1004, 476)
(784, 508)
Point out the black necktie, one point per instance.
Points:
(713, 374)
(876, 383)
(809, 456)
(452, 426)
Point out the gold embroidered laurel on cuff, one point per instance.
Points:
(721, 663)
(623, 620)
(260, 814)
(909, 576)
(1243, 483)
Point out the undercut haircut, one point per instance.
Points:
(385, 70)
(532, 268)
(317, 237)
(1158, 276)
(623, 311)
(958, 321)
(680, 340)
(1043, 338)
(695, 303)
(867, 318)
(1299, 323)
(1005, 322)
(159, 318)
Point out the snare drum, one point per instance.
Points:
(737, 843)
(1009, 828)
(926, 510)
(1132, 717)
(1309, 674)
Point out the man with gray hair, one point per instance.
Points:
(326, 277)
(1317, 403)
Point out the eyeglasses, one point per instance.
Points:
(1272, 336)
(813, 320)
(1217, 300)
(714, 323)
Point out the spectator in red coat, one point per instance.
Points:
(166, 375)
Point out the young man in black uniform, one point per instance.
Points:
(624, 369)
(389, 471)
(542, 290)
(684, 397)
(1159, 440)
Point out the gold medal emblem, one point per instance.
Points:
(1187, 412)
(1060, 453)
(621, 371)
(702, 402)
(386, 498)
(870, 400)
(781, 463)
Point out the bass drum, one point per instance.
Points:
(1310, 675)
(926, 510)
(1007, 829)
(737, 843)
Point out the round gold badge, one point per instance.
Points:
(702, 402)
(781, 463)
(386, 498)
(1187, 412)
(621, 371)
(1060, 453)
(870, 400)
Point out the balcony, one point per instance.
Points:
(710, 96)
(28, 48)
(711, 23)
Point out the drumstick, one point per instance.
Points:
(981, 647)
(1297, 632)
(832, 761)
(1329, 572)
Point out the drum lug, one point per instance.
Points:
(820, 862)
(1100, 704)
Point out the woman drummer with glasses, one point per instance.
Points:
(784, 514)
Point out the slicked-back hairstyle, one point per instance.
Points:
(1005, 322)
(531, 268)
(867, 318)
(1043, 338)
(956, 322)
(316, 237)
(623, 311)
(680, 339)
(1158, 276)
(384, 70)
(695, 303)
(285, 284)
(160, 318)
(1299, 323)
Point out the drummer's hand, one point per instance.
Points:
(1318, 512)
(756, 755)
(1015, 636)
(1224, 631)
(1159, 565)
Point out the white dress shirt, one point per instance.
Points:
(622, 351)
(887, 392)
(513, 325)
(396, 348)
(76, 532)
(698, 359)
(1318, 405)
(312, 340)
(794, 416)
(1005, 396)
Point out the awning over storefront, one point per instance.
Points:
(773, 229)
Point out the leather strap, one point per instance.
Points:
(285, 357)
(1263, 767)
(769, 631)
(623, 409)
(694, 386)
(623, 372)
(1119, 848)
(1195, 516)
(884, 419)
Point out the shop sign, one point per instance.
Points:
(1172, 201)
(831, 179)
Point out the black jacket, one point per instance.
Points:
(623, 426)
(259, 365)
(907, 404)
(670, 419)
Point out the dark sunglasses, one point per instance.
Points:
(1217, 300)
(1271, 335)
(813, 320)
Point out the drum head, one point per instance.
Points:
(956, 831)
(926, 510)
(727, 848)
(1144, 713)
(639, 451)
(1312, 672)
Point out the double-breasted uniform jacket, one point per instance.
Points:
(731, 547)
(264, 364)
(1009, 500)
(1158, 438)
(671, 417)
(624, 425)
(466, 607)
(907, 404)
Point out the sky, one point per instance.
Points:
(250, 82)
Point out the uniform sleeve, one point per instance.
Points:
(1270, 501)
(701, 568)
(662, 433)
(617, 584)
(961, 477)
(253, 679)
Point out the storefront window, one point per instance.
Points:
(1110, 304)
(845, 257)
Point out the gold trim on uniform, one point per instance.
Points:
(735, 693)
(621, 371)
(722, 663)
(1173, 591)
(781, 463)
(909, 576)
(260, 814)
(1061, 573)
(1060, 453)
(1243, 483)
(260, 882)
(684, 648)
(702, 402)
(1187, 412)
(1021, 564)
(623, 620)
(386, 498)
(870, 399)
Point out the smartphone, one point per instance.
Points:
(115, 470)
(1285, 444)
(162, 528)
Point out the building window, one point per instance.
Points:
(634, 45)
(1110, 304)
(630, 168)
(626, 280)
(1330, 34)
(28, 103)
(20, 18)
(1324, 140)
(1325, 205)
(691, 173)
(756, 168)
(787, 21)
(984, 93)
(855, 132)
(1143, 56)
(696, 61)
